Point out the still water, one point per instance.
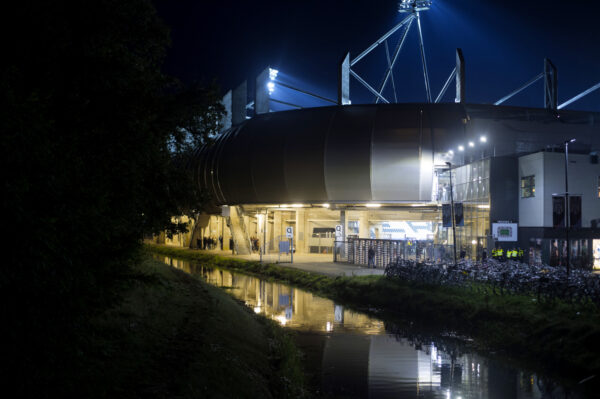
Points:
(356, 355)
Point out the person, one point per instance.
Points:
(231, 245)
(371, 256)
(484, 255)
(221, 242)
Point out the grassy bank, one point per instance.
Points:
(175, 336)
(557, 337)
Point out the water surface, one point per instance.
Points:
(351, 354)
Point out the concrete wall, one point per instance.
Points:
(549, 171)
(531, 210)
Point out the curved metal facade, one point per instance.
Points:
(361, 153)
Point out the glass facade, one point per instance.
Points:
(471, 187)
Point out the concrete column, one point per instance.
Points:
(299, 234)
(344, 224)
(363, 224)
(307, 233)
(276, 227)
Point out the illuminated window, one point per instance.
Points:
(598, 186)
(527, 186)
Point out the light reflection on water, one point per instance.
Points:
(365, 357)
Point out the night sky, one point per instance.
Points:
(504, 43)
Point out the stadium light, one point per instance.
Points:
(471, 144)
(483, 139)
(271, 87)
(416, 5)
(461, 148)
(273, 73)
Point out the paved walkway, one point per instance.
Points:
(313, 263)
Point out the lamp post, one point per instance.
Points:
(567, 210)
(452, 212)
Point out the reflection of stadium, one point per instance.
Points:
(358, 356)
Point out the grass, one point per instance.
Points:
(176, 336)
(556, 337)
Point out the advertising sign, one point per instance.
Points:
(459, 218)
(446, 215)
(289, 232)
(505, 231)
(575, 211)
(338, 232)
(558, 212)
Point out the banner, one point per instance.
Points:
(558, 212)
(446, 215)
(459, 218)
(575, 211)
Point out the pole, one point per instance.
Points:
(452, 212)
(567, 215)
(264, 249)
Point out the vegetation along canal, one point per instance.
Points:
(351, 354)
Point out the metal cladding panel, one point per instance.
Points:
(395, 154)
(348, 154)
(268, 134)
(304, 154)
(234, 173)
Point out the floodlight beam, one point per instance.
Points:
(520, 89)
(286, 103)
(306, 92)
(395, 57)
(446, 85)
(380, 40)
(580, 95)
(368, 86)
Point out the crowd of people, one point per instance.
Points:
(210, 243)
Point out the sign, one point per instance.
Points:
(338, 231)
(459, 218)
(446, 215)
(558, 212)
(505, 231)
(575, 211)
(289, 232)
(284, 247)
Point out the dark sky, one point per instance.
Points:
(504, 43)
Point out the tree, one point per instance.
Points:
(93, 137)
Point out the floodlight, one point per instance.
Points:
(451, 152)
(483, 139)
(461, 148)
(414, 5)
(471, 144)
(271, 87)
(273, 73)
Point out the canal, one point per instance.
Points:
(352, 354)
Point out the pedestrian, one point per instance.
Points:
(221, 242)
(371, 257)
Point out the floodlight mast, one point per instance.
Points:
(412, 8)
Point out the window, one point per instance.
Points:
(527, 186)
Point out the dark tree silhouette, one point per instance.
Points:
(94, 137)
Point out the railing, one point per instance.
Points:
(356, 251)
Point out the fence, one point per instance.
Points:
(356, 251)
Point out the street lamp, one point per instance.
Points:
(567, 210)
(452, 212)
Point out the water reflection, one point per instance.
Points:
(361, 356)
